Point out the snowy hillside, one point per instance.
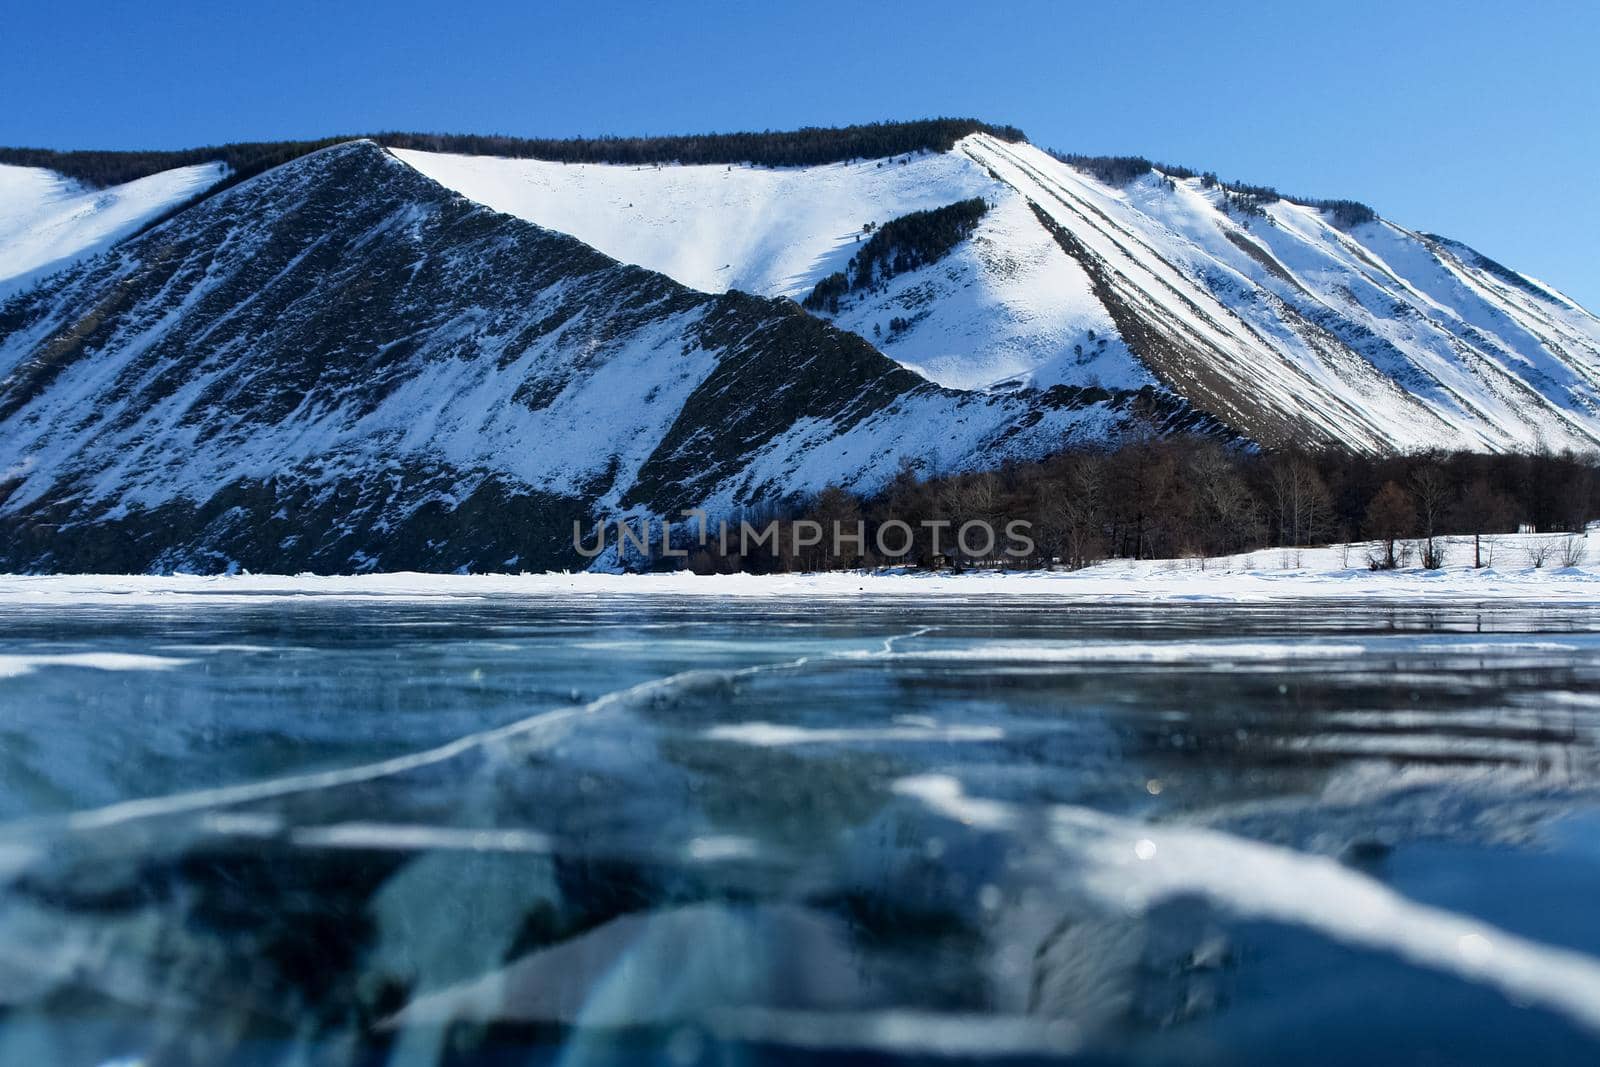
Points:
(48, 222)
(341, 365)
(1270, 318)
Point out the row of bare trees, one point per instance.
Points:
(1164, 497)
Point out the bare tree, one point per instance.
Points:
(1391, 516)
(1430, 489)
(839, 512)
(969, 498)
(1073, 516)
(1225, 509)
(1300, 500)
(1482, 509)
(1146, 470)
(1539, 551)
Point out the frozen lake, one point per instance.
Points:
(608, 829)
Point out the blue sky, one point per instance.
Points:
(1476, 120)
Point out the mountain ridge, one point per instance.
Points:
(807, 145)
(884, 139)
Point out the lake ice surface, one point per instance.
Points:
(636, 830)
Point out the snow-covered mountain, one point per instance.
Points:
(1270, 315)
(409, 359)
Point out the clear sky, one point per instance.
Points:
(1473, 119)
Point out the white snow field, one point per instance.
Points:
(1334, 572)
(48, 221)
(767, 230)
(1385, 337)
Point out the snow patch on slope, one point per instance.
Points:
(773, 231)
(49, 221)
(1005, 306)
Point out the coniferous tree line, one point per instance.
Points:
(1152, 497)
(1119, 170)
(898, 246)
(1240, 196)
(1345, 213)
(102, 169)
(810, 146)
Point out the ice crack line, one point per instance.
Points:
(888, 642)
(224, 796)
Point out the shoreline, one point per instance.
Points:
(1161, 581)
